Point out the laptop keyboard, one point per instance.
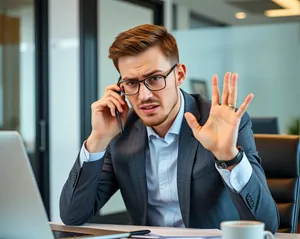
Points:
(61, 234)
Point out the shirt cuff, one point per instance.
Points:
(239, 176)
(85, 156)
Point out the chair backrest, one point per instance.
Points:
(280, 156)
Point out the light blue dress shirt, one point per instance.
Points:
(161, 173)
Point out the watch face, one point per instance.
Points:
(223, 165)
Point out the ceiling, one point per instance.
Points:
(224, 11)
(13, 4)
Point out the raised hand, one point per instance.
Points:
(220, 132)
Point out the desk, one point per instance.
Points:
(167, 231)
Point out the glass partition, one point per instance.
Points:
(17, 70)
(238, 37)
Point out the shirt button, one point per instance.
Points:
(163, 184)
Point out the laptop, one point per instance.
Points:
(22, 213)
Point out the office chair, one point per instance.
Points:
(280, 156)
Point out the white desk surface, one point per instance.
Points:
(170, 231)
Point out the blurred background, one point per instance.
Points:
(54, 64)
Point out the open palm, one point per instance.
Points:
(220, 132)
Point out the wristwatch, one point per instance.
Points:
(235, 160)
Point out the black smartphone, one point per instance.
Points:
(119, 116)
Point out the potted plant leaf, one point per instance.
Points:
(294, 127)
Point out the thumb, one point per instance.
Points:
(192, 122)
(125, 112)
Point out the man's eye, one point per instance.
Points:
(131, 83)
(155, 78)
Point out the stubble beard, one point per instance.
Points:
(153, 121)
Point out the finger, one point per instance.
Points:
(116, 103)
(233, 90)
(242, 109)
(215, 96)
(113, 87)
(125, 111)
(97, 105)
(108, 95)
(226, 88)
(106, 103)
(114, 94)
(192, 122)
(126, 106)
(112, 108)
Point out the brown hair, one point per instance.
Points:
(138, 39)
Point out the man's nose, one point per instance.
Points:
(144, 93)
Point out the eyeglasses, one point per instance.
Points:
(153, 83)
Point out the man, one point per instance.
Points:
(181, 160)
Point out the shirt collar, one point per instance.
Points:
(175, 128)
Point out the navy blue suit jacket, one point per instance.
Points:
(205, 199)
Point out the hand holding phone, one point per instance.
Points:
(108, 115)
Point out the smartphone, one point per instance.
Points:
(119, 116)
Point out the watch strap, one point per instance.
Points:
(238, 158)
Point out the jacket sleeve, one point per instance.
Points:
(255, 201)
(87, 189)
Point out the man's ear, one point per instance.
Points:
(181, 73)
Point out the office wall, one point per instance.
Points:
(64, 95)
(182, 17)
(115, 17)
(267, 58)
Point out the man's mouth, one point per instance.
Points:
(149, 108)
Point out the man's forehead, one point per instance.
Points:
(143, 71)
(143, 68)
(153, 57)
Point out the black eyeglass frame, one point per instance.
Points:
(144, 81)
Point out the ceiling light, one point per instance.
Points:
(288, 4)
(240, 15)
(282, 13)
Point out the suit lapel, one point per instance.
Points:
(139, 146)
(186, 155)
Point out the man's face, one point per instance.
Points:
(153, 107)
